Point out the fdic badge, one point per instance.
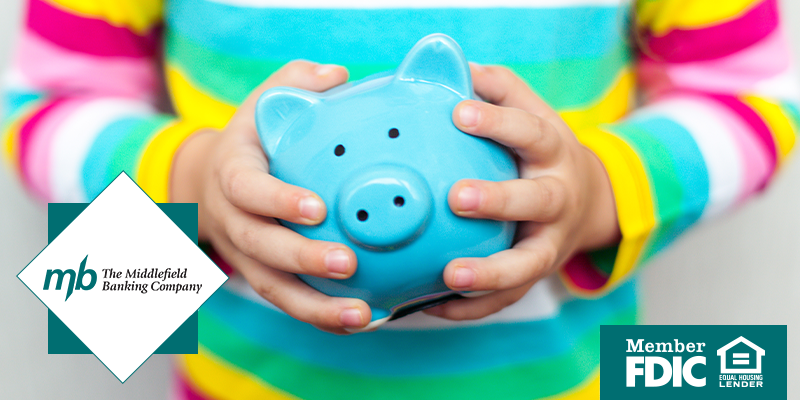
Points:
(693, 362)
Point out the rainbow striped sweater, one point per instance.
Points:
(717, 119)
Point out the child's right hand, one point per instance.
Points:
(227, 174)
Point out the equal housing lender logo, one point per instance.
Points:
(693, 362)
(122, 278)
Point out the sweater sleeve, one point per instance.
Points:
(719, 119)
(80, 100)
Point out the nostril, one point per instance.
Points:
(399, 201)
(362, 215)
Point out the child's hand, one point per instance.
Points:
(227, 174)
(563, 197)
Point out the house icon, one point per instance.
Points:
(740, 356)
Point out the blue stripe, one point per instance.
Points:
(441, 351)
(488, 35)
(14, 100)
(99, 157)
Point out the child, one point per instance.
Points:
(602, 189)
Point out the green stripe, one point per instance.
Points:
(604, 259)
(664, 181)
(563, 84)
(534, 380)
(793, 113)
(127, 155)
(574, 84)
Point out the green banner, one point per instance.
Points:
(693, 362)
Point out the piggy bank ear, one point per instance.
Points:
(277, 109)
(438, 59)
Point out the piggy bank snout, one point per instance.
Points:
(385, 207)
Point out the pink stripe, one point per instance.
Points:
(763, 137)
(222, 264)
(64, 71)
(583, 274)
(88, 35)
(731, 74)
(26, 134)
(187, 392)
(756, 166)
(37, 165)
(717, 41)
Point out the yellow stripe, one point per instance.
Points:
(589, 390)
(646, 11)
(665, 15)
(156, 163)
(220, 381)
(137, 15)
(11, 144)
(779, 123)
(192, 104)
(609, 108)
(11, 130)
(633, 199)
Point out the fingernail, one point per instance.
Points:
(311, 208)
(469, 115)
(324, 69)
(477, 67)
(337, 261)
(469, 199)
(351, 317)
(463, 277)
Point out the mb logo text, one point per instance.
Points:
(76, 280)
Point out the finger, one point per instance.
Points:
(501, 86)
(301, 74)
(478, 307)
(530, 260)
(247, 185)
(540, 199)
(290, 294)
(533, 138)
(281, 248)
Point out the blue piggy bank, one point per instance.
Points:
(383, 153)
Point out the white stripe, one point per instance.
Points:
(740, 362)
(783, 86)
(75, 136)
(16, 80)
(542, 301)
(378, 4)
(716, 144)
(741, 355)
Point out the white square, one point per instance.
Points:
(125, 231)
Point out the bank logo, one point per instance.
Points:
(147, 277)
(693, 362)
(76, 281)
(740, 356)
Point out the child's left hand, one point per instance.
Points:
(563, 198)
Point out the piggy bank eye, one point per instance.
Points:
(393, 133)
(338, 151)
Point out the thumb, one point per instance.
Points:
(301, 74)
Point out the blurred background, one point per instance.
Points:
(741, 269)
